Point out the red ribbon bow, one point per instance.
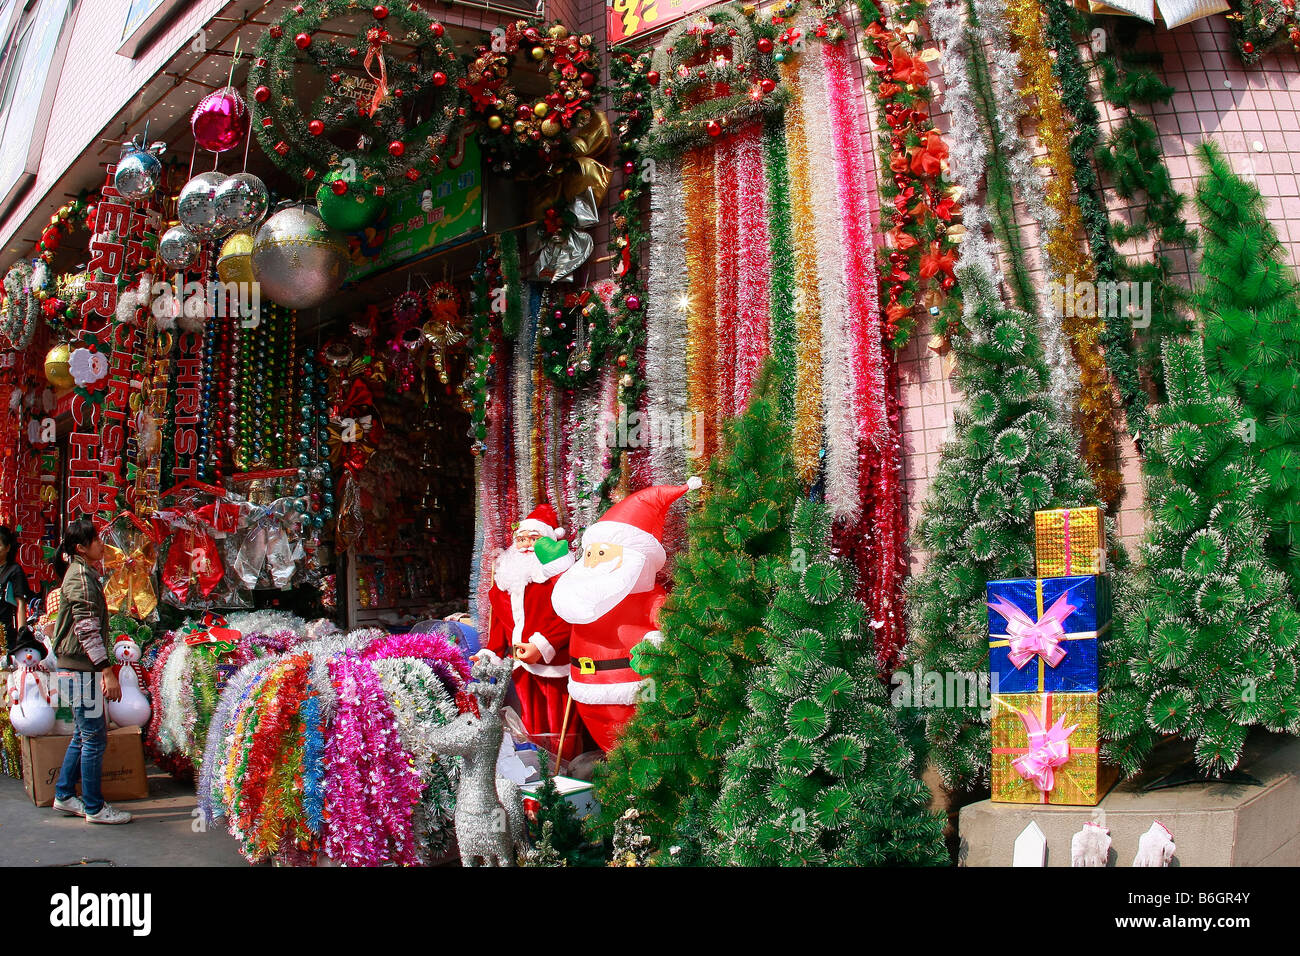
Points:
(377, 38)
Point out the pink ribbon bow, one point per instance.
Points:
(1048, 749)
(1028, 637)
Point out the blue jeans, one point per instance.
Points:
(84, 760)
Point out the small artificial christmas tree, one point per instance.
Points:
(712, 626)
(1011, 454)
(1251, 312)
(1204, 637)
(544, 852)
(631, 845)
(822, 774)
(566, 834)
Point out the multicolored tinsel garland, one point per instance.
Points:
(839, 409)
(783, 281)
(1067, 262)
(988, 20)
(807, 439)
(753, 265)
(522, 374)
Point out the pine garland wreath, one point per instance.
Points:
(21, 313)
(1261, 26)
(822, 774)
(1203, 645)
(575, 337)
(1011, 455)
(393, 151)
(630, 77)
(1250, 307)
(526, 138)
(712, 626)
(712, 72)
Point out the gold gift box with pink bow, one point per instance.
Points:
(1045, 750)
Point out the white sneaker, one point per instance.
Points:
(108, 814)
(72, 806)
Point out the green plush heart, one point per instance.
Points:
(548, 549)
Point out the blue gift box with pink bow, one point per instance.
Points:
(1044, 633)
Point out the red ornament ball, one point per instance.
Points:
(338, 187)
(1248, 47)
(633, 302)
(629, 167)
(302, 41)
(653, 77)
(440, 79)
(437, 29)
(714, 128)
(764, 45)
(262, 94)
(767, 85)
(316, 127)
(396, 148)
(587, 79)
(380, 12)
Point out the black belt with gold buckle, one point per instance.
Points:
(588, 666)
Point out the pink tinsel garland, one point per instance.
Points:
(371, 786)
(726, 265)
(428, 647)
(752, 309)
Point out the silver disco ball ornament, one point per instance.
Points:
(299, 261)
(241, 202)
(138, 171)
(197, 206)
(177, 248)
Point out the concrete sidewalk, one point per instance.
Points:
(162, 833)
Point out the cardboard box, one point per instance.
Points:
(580, 793)
(123, 777)
(1071, 662)
(1081, 780)
(1070, 541)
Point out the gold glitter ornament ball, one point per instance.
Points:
(235, 264)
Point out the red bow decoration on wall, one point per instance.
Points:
(935, 262)
(927, 159)
(354, 429)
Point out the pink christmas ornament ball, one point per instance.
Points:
(220, 121)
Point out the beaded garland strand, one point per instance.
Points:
(315, 487)
(214, 399)
(266, 355)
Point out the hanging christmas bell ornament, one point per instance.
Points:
(138, 171)
(220, 121)
(349, 205)
(197, 206)
(177, 248)
(57, 372)
(235, 263)
(241, 202)
(298, 260)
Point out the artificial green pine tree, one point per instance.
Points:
(822, 774)
(544, 853)
(1204, 639)
(1011, 454)
(566, 835)
(712, 626)
(1251, 312)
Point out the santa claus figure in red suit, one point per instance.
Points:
(611, 599)
(525, 626)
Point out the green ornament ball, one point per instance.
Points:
(355, 209)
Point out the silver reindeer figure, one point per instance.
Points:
(489, 811)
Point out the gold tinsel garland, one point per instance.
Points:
(1065, 253)
(701, 349)
(807, 320)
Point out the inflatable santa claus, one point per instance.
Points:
(613, 602)
(525, 626)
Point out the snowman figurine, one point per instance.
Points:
(31, 707)
(133, 709)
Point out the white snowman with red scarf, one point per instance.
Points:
(132, 709)
(31, 691)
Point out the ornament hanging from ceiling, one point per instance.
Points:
(178, 249)
(298, 260)
(349, 205)
(220, 121)
(392, 92)
(240, 202)
(197, 206)
(138, 170)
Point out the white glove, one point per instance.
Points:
(1090, 846)
(1156, 847)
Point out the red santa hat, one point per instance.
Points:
(543, 520)
(637, 522)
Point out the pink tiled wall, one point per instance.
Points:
(1254, 114)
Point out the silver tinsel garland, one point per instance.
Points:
(666, 324)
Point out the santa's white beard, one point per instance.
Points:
(517, 569)
(583, 594)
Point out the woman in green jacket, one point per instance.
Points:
(85, 673)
